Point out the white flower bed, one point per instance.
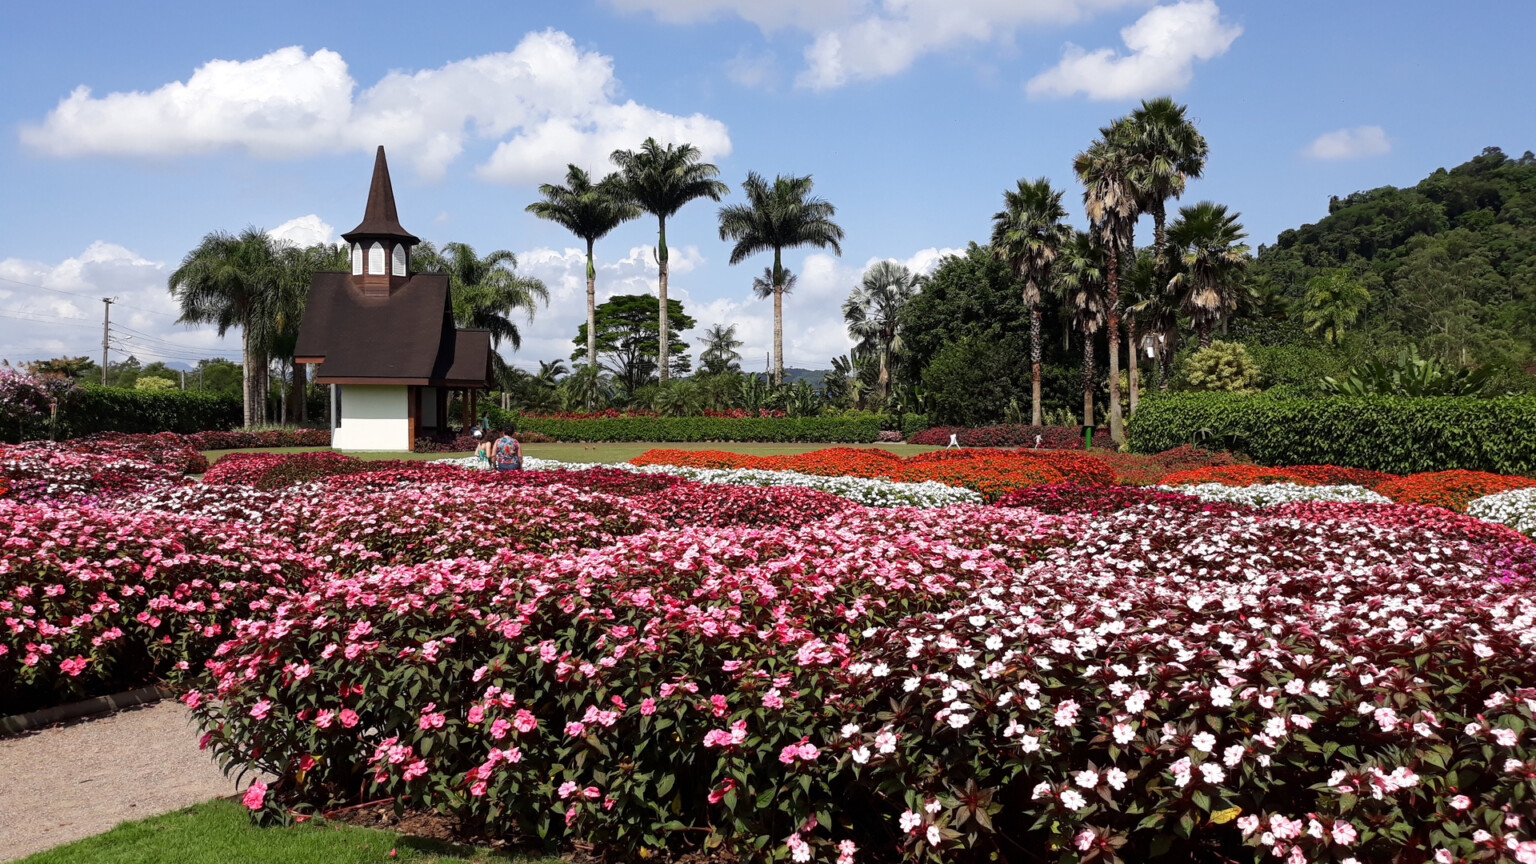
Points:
(1515, 508)
(1267, 494)
(869, 492)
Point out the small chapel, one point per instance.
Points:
(384, 338)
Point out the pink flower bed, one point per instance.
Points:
(637, 662)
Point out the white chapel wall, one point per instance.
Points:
(373, 417)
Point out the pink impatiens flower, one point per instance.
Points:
(255, 796)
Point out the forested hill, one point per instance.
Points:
(1450, 263)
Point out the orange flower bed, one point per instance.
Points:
(992, 476)
(1076, 466)
(1333, 475)
(692, 458)
(1453, 490)
(1235, 475)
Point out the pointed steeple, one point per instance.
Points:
(380, 221)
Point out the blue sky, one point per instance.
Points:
(126, 135)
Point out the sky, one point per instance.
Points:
(127, 134)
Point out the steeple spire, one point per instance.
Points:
(380, 221)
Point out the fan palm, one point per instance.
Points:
(588, 210)
(1027, 233)
(1107, 172)
(1084, 286)
(1166, 151)
(873, 314)
(778, 217)
(660, 180)
(235, 281)
(1206, 251)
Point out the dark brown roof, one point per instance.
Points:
(406, 337)
(379, 217)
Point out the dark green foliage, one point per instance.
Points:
(842, 430)
(1410, 375)
(628, 338)
(968, 382)
(1381, 433)
(114, 409)
(911, 424)
(1451, 262)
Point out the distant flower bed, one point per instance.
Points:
(1268, 494)
(1453, 490)
(1051, 437)
(1515, 508)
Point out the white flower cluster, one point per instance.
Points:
(1267, 494)
(869, 492)
(1515, 508)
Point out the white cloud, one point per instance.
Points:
(1350, 143)
(752, 70)
(304, 231)
(546, 101)
(38, 323)
(858, 40)
(1164, 45)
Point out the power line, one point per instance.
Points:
(140, 334)
(87, 296)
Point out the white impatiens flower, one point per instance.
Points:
(1268, 494)
(1205, 742)
(1515, 508)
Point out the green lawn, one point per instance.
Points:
(220, 832)
(611, 453)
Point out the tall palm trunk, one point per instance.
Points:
(1164, 364)
(661, 263)
(247, 377)
(1035, 418)
(592, 307)
(1133, 356)
(1087, 380)
(778, 319)
(299, 383)
(1116, 424)
(1159, 219)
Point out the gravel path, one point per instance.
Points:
(69, 782)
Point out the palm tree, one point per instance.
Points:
(1107, 173)
(873, 314)
(660, 180)
(719, 355)
(484, 292)
(764, 286)
(1145, 295)
(778, 217)
(1334, 301)
(297, 268)
(588, 210)
(234, 281)
(1084, 287)
(1206, 250)
(1167, 151)
(1027, 233)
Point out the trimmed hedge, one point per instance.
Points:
(92, 409)
(1381, 433)
(840, 430)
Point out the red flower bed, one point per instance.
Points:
(1235, 475)
(1453, 490)
(1079, 498)
(992, 476)
(167, 448)
(1077, 467)
(1333, 475)
(276, 470)
(723, 506)
(40, 471)
(833, 462)
(1418, 517)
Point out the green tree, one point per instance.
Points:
(588, 210)
(628, 338)
(660, 180)
(485, 292)
(963, 386)
(285, 309)
(1084, 286)
(782, 216)
(873, 314)
(74, 368)
(1166, 152)
(1108, 172)
(232, 281)
(1028, 233)
(215, 376)
(1334, 301)
(1208, 256)
(719, 356)
(153, 382)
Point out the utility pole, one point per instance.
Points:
(183, 379)
(106, 332)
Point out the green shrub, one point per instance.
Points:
(912, 424)
(1382, 433)
(1221, 367)
(93, 409)
(861, 430)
